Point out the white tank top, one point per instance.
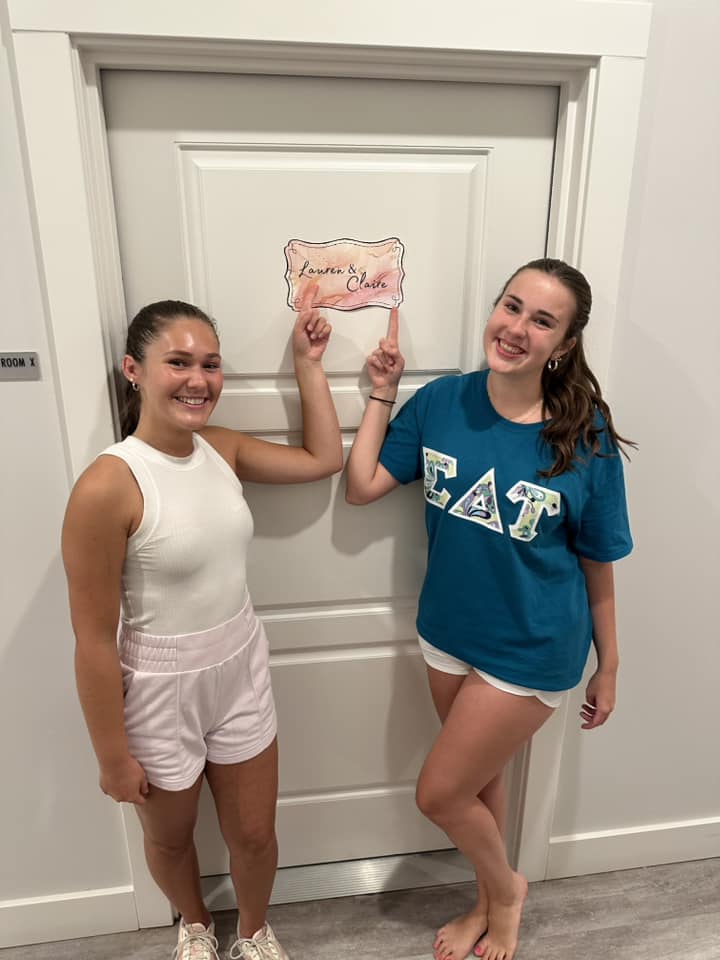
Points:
(185, 565)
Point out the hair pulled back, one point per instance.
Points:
(145, 327)
(571, 393)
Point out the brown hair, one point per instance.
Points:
(571, 393)
(145, 327)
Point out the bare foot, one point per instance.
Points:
(500, 942)
(456, 939)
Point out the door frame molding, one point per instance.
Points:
(595, 56)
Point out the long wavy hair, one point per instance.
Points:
(145, 327)
(571, 393)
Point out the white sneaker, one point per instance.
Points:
(263, 945)
(196, 942)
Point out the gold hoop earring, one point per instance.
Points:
(553, 364)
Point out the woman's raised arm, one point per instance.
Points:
(321, 453)
(368, 480)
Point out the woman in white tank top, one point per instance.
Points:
(156, 536)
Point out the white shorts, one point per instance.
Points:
(197, 697)
(442, 661)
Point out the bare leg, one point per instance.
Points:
(168, 820)
(456, 938)
(246, 797)
(483, 729)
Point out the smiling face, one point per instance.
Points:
(180, 379)
(529, 325)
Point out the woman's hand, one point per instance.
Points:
(386, 364)
(311, 331)
(124, 781)
(599, 699)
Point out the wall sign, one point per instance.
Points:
(19, 366)
(349, 273)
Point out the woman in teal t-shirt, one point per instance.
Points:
(525, 513)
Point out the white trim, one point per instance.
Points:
(106, 251)
(152, 907)
(554, 26)
(57, 177)
(64, 916)
(606, 195)
(572, 150)
(640, 846)
(540, 779)
(325, 60)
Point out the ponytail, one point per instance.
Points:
(130, 410)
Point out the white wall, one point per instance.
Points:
(655, 764)
(58, 834)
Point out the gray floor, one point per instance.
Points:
(653, 913)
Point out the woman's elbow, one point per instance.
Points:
(355, 496)
(320, 468)
(334, 465)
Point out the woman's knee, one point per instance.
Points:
(171, 847)
(433, 800)
(250, 838)
(171, 835)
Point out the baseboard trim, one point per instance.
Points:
(324, 881)
(640, 846)
(67, 916)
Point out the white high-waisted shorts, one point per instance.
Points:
(447, 664)
(197, 697)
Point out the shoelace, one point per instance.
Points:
(246, 950)
(268, 945)
(197, 946)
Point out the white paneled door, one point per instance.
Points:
(212, 175)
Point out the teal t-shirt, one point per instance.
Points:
(504, 590)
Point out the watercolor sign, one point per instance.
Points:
(349, 273)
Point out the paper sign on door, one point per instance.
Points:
(349, 273)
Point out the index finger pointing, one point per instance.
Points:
(307, 294)
(392, 330)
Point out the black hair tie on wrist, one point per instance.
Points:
(388, 403)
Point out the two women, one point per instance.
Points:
(525, 513)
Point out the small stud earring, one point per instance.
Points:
(553, 364)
